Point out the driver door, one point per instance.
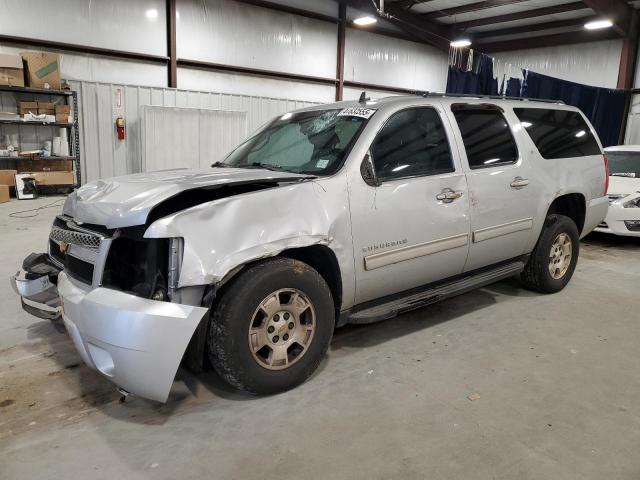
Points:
(411, 227)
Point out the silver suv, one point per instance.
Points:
(346, 213)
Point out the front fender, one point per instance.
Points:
(224, 234)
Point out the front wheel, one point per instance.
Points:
(554, 259)
(272, 326)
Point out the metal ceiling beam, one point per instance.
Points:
(569, 38)
(509, 17)
(436, 34)
(471, 7)
(618, 11)
(536, 27)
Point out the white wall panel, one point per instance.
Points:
(76, 66)
(240, 84)
(232, 33)
(352, 93)
(594, 63)
(138, 25)
(103, 155)
(632, 136)
(189, 137)
(371, 58)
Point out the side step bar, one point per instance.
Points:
(432, 295)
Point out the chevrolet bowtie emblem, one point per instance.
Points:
(64, 246)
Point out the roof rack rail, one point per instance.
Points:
(492, 97)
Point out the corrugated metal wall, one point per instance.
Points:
(103, 155)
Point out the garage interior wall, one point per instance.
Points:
(594, 63)
(232, 33)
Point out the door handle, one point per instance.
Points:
(448, 195)
(519, 183)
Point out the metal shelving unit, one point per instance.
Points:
(70, 98)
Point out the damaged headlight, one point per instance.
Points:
(633, 203)
(148, 268)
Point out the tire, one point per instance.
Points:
(257, 300)
(537, 274)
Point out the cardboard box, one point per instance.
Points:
(8, 177)
(63, 109)
(43, 69)
(11, 70)
(46, 111)
(44, 165)
(62, 118)
(4, 193)
(26, 107)
(46, 105)
(57, 178)
(52, 178)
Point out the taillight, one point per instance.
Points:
(606, 174)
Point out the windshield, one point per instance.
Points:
(624, 164)
(315, 142)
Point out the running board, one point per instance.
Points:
(396, 306)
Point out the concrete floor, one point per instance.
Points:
(498, 383)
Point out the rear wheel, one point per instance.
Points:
(272, 326)
(554, 259)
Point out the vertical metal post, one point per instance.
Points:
(172, 66)
(342, 27)
(626, 72)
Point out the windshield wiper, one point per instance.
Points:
(267, 166)
(218, 165)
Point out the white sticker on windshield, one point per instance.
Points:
(322, 163)
(624, 174)
(357, 112)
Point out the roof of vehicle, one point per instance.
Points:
(623, 148)
(418, 98)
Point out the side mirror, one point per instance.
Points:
(368, 171)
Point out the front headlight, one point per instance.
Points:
(633, 203)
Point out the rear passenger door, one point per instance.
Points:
(503, 195)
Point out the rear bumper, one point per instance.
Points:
(135, 342)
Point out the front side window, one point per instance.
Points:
(412, 143)
(624, 164)
(558, 133)
(315, 142)
(486, 136)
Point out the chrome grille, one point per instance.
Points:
(72, 237)
(79, 250)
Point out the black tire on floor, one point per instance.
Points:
(229, 350)
(536, 275)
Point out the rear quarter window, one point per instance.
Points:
(558, 133)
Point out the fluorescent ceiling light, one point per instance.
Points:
(527, 124)
(364, 21)
(598, 24)
(461, 43)
(151, 14)
(581, 133)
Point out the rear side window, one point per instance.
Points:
(486, 136)
(412, 143)
(558, 133)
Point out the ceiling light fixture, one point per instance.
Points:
(598, 24)
(364, 21)
(151, 14)
(461, 43)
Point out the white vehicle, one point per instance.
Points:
(623, 216)
(345, 213)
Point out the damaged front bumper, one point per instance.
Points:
(135, 342)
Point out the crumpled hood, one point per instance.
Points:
(126, 201)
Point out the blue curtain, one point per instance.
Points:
(479, 81)
(604, 107)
